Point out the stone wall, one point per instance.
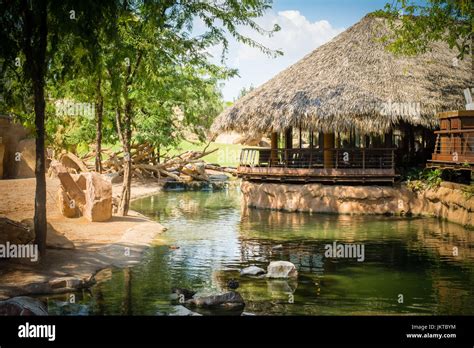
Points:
(444, 202)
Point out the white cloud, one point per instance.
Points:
(297, 37)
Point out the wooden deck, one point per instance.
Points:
(318, 165)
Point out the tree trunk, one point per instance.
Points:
(100, 108)
(36, 34)
(126, 134)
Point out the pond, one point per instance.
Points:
(411, 266)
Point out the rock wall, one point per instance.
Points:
(11, 134)
(444, 202)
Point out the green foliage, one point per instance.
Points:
(146, 56)
(422, 179)
(416, 24)
(244, 91)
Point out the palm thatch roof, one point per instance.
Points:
(354, 82)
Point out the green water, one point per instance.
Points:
(213, 239)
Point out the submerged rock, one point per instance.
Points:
(252, 271)
(229, 300)
(281, 269)
(23, 306)
(182, 311)
(233, 284)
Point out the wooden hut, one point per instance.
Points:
(350, 111)
(454, 148)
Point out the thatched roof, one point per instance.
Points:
(353, 81)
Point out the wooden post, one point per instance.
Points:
(301, 139)
(321, 140)
(328, 146)
(274, 147)
(289, 138)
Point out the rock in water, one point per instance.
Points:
(233, 284)
(252, 271)
(184, 292)
(229, 300)
(182, 311)
(22, 305)
(281, 269)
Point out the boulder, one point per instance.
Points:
(229, 300)
(54, 239)
(187, 294)
(22, 306)
(64, 205)
(252, 271)
(14, 232)
(27, 159)
(182, 311)
(198, 169)
(281, 269)
(80, 181)
(74, 187)
(98, 194)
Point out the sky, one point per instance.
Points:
(305, 25)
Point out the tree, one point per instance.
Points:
(416, 25)
(244, 91)
(30, 32)
(155, 49)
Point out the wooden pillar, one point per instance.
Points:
(366, 141)
(274, 147)
(328, 143)
(289, 138)
(321, 140)
(301, 139)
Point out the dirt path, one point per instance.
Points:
(98, 245)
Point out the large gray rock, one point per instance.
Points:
(281, 269)
(23, 306)
(252, 271)
(229, 300)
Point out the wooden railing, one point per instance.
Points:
(315, 158)
(455, 146)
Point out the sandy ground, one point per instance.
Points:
(119, 242)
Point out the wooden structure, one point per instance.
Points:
(359, 112)
(325, 164)
(454, 148)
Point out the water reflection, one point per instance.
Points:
(215, 239)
